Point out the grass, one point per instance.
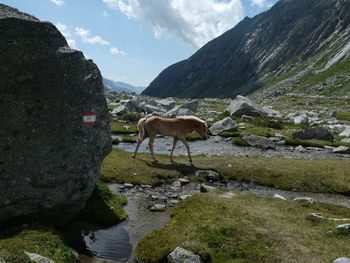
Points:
(238, 141)
(248, 229)
(123, 128)
(314, 143)
(318, 175)
(342, 115)
(39, 239)
(193, 136)
(103, 207)
(227, 134)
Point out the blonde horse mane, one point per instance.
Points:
(192, 118)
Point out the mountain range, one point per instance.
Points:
(117, 86)
(297, 45)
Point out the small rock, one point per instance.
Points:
(300, 148)
(344, 229)
(181, 255)
(158, 208)
(2, 260)
(154, 197)
(207, 188)
(174, 202)
(226, 124)
(304, 200)
(146, 186)
(37, 258)
(176, 184)
(319, 133)
(183, 197)
(328, 147)
(128, 185)
(342, 260)
(346, 140)
(257, 141)
(341, 149)
(277, 196)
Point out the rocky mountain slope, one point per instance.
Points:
(117, 86)
(296, 45)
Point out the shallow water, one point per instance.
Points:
(219, 146)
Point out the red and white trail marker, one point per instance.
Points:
(89, 118)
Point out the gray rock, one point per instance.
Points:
(158, 208)
(208, 174)
(341, 149)
(257, 141)
(119, 110)
(177, 184)
(346, 140)
(181, 255)
(186, 109)
(271, 112)
(303, 119)
(55, 122)
(300, 148)
(344, 229)
(183, 197)
(244, 106)
(319, 133)
(246, 118)
(184, 181)
(2, 260)
(277, 196)
(226, 124)
(346, 132)
(342, 260)
(207, 188)
(37, 258)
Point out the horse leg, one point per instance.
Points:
(150, 145)
(183, 140)
(139, 141)
(172, 150)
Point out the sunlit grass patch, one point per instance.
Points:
(247, 228)
(123, 128)
(318, 175)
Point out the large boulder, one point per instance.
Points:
(244, 106)
(181, 255)
(54, 130)
(226, 124)
(319, 133)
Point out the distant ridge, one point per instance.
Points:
(294, 38)
(118, 86)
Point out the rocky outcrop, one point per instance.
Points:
(54, 129)
(181, 255)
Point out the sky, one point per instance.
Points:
(134, 40)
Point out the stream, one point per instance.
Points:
(117, 243)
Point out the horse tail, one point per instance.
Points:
(141, 127)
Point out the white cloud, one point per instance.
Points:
(261, 3)
(105, 14)
(84, 34)
(194, 22)
(58, 2)
(116, 51)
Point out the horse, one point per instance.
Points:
(175, 127)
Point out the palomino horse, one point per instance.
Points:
(175, 127)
